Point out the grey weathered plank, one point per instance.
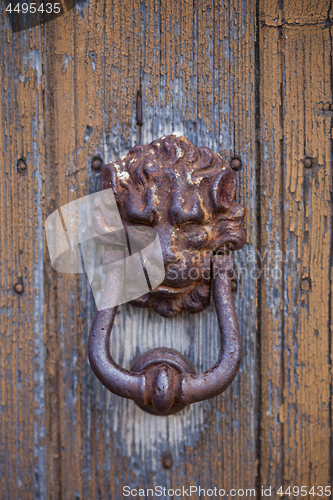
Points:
(192, 82)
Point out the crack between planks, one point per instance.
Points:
(257, 121)
(330, 318)
(283, 243)
(52, 382)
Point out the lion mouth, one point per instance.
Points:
(163, 291)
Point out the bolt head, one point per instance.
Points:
(21, 165)
(236, 164)
(305, 284)
(307, 162)
(167, 461)
(96, 164)
(18, 287)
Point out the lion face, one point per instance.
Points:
(186, 194)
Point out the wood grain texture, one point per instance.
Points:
(296, 221)
(181, 81)
(271, 316)
(307, 232)
(22, 349)
(66, 181)
(174, 65)
(68, 93)
(301, 12)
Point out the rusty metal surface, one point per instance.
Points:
(186, 194)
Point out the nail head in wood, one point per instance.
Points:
(18, 287)
(307, 162)
(21, 165)
(96, 164)
(167, 461)
(236, 164)
(305, 284)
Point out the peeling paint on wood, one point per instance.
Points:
(302, 12)
(68, 93)
(22, 348)
(296, 220)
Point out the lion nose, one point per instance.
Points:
(169, 252)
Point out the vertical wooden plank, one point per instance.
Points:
(307, 232)
(84, 80)
(243, 406)
(62, 300)
(90, 93)
(296, 220)
(195, 51)
(22, 350)
(270, 247)
(76, 402)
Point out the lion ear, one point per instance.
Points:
(109, 178)
(223, 190)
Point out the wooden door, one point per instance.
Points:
(248, 79)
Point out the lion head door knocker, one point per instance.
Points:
(184, 195)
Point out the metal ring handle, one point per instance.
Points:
(163, 381)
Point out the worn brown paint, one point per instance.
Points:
(21, 209)
(195, 63)
(295, 332)
(302, 12)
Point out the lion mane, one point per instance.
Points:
(187, 194)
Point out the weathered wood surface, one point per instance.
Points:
(296, 220)
(22, 348)
(243, 80)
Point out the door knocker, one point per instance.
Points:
(185, 195)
